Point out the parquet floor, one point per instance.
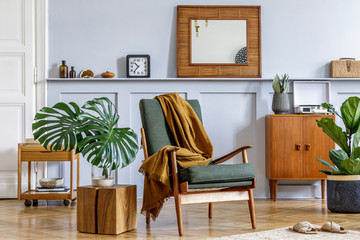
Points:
(52, 220)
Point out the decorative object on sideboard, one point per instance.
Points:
(72, 73)
(343, 180)
(87, 73)
(281, 103)
(241, 56)
(63, 70)
(209, 37)
(345, 68)
(108, 74)
(309, 95)
(90, 130)
(138, 66)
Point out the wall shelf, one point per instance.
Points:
(199, 79)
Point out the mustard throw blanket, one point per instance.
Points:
(195, 150)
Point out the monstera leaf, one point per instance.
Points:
(93, 133)
(57, 126)
(111, 146)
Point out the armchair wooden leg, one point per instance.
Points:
(252, 208)
(210, 210)
(147, 218)
(179, 214)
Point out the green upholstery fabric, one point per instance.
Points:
(217, 173)
(157, 131)
(158, 135)
(220, 185)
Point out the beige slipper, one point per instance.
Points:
(304, 227)
(333, 227)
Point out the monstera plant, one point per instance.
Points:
(91, 130)
(346, 159)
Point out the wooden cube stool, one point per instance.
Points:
(106, 210)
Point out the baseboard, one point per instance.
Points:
(8, 184)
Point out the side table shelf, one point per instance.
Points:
(37, 153)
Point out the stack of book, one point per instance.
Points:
(54, 189)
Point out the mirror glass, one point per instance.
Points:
(218, 41)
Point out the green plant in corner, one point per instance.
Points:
(347, 158)
(91, 130)
(281, 85)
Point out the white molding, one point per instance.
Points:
(41, 51)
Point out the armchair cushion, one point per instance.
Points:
(217, 173)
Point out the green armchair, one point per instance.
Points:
(200, 184)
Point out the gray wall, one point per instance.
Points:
(298, 37)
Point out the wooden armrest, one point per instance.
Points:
(173, 149)
(232, 154)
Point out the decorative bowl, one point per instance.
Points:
(108, 74)
(51, 182)
(87, 73)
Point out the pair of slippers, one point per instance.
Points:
(308, 228)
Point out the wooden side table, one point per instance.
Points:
(106, 210)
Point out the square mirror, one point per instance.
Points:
(218, 41)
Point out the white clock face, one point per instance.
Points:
(138, 66)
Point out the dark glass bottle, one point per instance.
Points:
(72, 73)
(63, 70)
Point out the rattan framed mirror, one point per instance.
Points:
(218, 41)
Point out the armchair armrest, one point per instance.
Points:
(232, 154)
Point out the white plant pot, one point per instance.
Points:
(102, 182)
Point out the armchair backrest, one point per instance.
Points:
(156, 129)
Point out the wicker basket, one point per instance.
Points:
(345, 68)
(51, 182)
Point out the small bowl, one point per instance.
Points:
(87, 73)
(108, 74)
(51, 182)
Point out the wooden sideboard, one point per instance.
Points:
(293, 141)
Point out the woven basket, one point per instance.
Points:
(51, 182)
(345, 68)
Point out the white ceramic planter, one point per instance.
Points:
(102, 182)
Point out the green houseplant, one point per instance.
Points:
(280, 103)
(91, 130)
(344, 179)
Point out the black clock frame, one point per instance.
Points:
(128, 65)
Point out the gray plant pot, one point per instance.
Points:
(280, 103)
(343, 193)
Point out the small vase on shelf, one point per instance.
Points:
(280, 102)
(72, 73)
(63, 69)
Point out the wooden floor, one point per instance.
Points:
(52, 220)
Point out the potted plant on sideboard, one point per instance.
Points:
(343, 181)
(281, 103)
(91, 130)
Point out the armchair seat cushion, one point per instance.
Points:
(217, 173)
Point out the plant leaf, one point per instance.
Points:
(326, 171)
(276, 84)
(350, 112)
(327, 164)
(57, 126)
(335, 133)
(352, 166)
(337, 156)
(355, 153)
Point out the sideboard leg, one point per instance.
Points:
(323, 184)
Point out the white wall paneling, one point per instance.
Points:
(233, 114)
